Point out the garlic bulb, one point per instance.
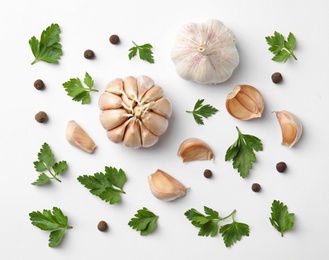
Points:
(134, 111)
(192, 149)
(205, 53)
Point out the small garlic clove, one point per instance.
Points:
(132, 136)
(130, 87)
(148, 138)
(116, 134)
(109, 101)
(112, 118)
(77, 137)
(162, 107)
(165, 187)
(115, 86)
(144, 83)
(291, 127)
(245, 102)
(153, 94)
(155, 123)
(195, 149)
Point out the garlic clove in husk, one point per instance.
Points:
(245, 102)
(165, 187)
(192, 149)
(205, 53)
(291, 127)
(77, 137)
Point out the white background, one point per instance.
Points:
(88, 25)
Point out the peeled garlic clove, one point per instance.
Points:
(245, 102)
(155, 123)
(112, 118)
(165, 187)
(132, 136)
(291, 127)
(162, 107)
(195, 149)
(77, 137)
(153, 94)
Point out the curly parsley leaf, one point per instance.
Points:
(108, 186)
(54, 221)
(280, 218)
(242, 152)
(48, 48)
(145, 52)
(46, 162)
(77, 91)
(201, 110)
(145, 221)
(281, 48)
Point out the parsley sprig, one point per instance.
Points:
(209, 225)
(201, 110)
(145, 221)
(280, 218)
(281, 48)
(145, 52)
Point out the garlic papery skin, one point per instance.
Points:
(192, 149)
(205, 52)
(245, 102)
(134, 111)
(291, 127)
(77, 137)
(165, 187)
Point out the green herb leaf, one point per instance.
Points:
(281, 48)
(48, 49)
(108, 186)
(46, 162)
(233, 232)
(77, 91)
(145, 221)
(54, 221)
(280, 218)
(201, 110)
(242, 152)
(145, 52)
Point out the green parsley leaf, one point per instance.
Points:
(77, 91)
(201, 110)
(280, 218)
(145, 52)
(242, 152)
(145, 221)
(108, 186)
(48, 49)
(233, 232)
(54, 221)
(46, 162)
(281, 48)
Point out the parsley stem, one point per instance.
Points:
(53, 175)
(231, 215)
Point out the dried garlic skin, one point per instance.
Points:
(134, 111)
(205, 53)
(195, 149)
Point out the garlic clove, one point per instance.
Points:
(116, 134)
(193, 149)
(115, 86)
(144, 83)
(148, 138)
(132, 136)
(165, 187)
(162, 107)
(77, 137)
(130, 87)
(153, 94)
(291, 127)
(245, 102)
(112, 118)
(109, 101)
(155, 123)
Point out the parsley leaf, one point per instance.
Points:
(280, 218)
(77, 91)
(281, 48)
(46, 162)
(242, 152)
(145, 221)
(209, 225)
(201, 110)
(48, 49)
(108, 186)
(145, 52)
(54, 221)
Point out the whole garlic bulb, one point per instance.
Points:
(134, 111)
(205, 53)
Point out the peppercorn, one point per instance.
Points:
(276, 77)
(41, 117)
(39, 84)
(255, 187)
(89, 54)
(281, 166)
(114, 39)
(102, 226)
(207, 173)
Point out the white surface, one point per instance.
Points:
(88, 24)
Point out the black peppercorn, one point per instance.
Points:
(41, 117)
(281, 166)
(276, 77)
(39, 84)
(207, 173)
(255, 187)
(89, 54)
(102, 226)
(114, 39)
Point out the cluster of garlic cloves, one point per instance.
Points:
(192, 149)
(77, 137)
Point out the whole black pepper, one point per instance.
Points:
(39, 84)
(89, 54)
(207, 173)
(41, 117)
(281, 166)
(102, 226)
(255, 187)
(276, 77)
(114, 39)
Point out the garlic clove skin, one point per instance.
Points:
(144, 83)
(245, 102)
(77, 137)
(112, 118)
(162, 107)
(193, 149)
(152, 94)
(109, 101)
(165, 187)
(291, 127)
(116, 134)
(148, 138)
(130, 87)
(155, 123)
(115, 86)
(132, 136)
